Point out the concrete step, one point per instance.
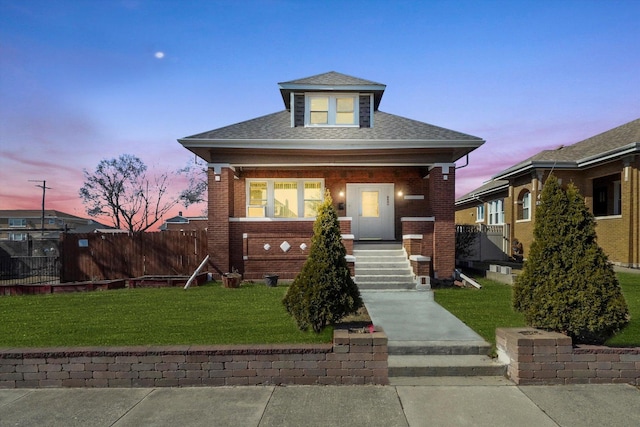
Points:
(386, 286)
(384, 272)
(451, 381)
(438, 348)
(378, 264)
(382, 278)
(444, 366)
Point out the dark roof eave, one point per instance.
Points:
(333, 144)
(287, 88)
(534, 164)
(476, 194)
(632, 148)
(521, 168)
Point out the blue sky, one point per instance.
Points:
(82, 80)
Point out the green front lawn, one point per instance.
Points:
(489, 308)
(630, 335)
(210, 314)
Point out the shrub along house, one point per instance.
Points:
(390, 178)
(606, 170)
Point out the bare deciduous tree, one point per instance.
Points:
(121, 189)
(196, 175)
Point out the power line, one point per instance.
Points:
(44, 190)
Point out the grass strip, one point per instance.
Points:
(630, 335)
(209, 314)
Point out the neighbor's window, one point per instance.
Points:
(17, 236)
(287, 198)
(17, 222)
(480, 213)
(496, 212)
(524, 205)
(607, 199)
(331, 110)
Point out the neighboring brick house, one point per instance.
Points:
(391, 178)
(606, 170)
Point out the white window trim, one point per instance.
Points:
(270, 206)
(22, 225)
(527, 206)
(332, 109)
(484, 214)
(495, 212)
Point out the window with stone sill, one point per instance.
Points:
(524, 206)
(496, 212)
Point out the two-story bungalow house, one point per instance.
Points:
(606, 170)
(390, 178)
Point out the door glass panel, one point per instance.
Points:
(370, 205)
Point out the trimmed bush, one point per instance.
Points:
(323, 292)
(567, 283)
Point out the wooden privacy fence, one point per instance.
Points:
(87, 257)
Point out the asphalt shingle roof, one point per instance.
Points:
(277, 126)
(484, 188)
(331, 78)
(590, 148)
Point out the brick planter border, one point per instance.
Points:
(352, 358)
(541, 357)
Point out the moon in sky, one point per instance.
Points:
(159, 55)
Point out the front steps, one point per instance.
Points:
(442, 359)
(383, 269)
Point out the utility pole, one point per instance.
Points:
(44, 190)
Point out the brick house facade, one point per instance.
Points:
(390, 178)
(606, 170)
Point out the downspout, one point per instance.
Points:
(466, 164)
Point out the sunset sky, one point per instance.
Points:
(85, 80)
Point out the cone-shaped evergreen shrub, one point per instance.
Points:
(567, 284)
(323, 292)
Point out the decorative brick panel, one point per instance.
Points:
(541, 357)
(352, 358)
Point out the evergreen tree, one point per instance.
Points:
(567, 283)
(323, 292)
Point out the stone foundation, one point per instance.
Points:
(352, 358)
(540, 357)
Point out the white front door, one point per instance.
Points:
(371, 208)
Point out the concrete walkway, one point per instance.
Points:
(476, 403)
(413, 316)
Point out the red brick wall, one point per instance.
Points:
(444, 236)
(228, 196)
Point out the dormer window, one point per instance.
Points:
(331, 110)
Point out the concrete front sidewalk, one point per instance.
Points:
(468, 402)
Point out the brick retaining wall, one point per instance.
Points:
(540, 357)
(352, 358)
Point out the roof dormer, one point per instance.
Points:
(331, 100)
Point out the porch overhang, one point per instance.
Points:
(305, 153)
